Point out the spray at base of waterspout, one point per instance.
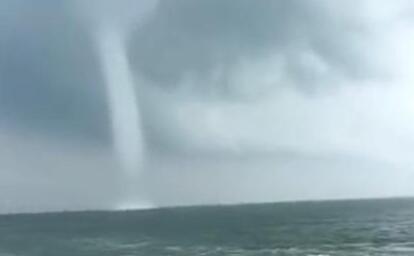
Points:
(134, 205)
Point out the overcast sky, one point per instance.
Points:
(241, 101)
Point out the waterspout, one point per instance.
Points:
(123, 105)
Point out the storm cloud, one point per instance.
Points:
(277, 100)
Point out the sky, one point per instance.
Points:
(239, 101)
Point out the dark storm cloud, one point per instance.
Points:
(49, 78)
(205, 42)
(195, 37)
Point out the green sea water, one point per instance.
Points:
(351, 228)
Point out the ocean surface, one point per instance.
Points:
(357, 227)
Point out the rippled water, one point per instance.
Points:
(351, 228)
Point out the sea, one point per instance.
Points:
(321, 228)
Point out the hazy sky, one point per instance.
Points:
(240, 100)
